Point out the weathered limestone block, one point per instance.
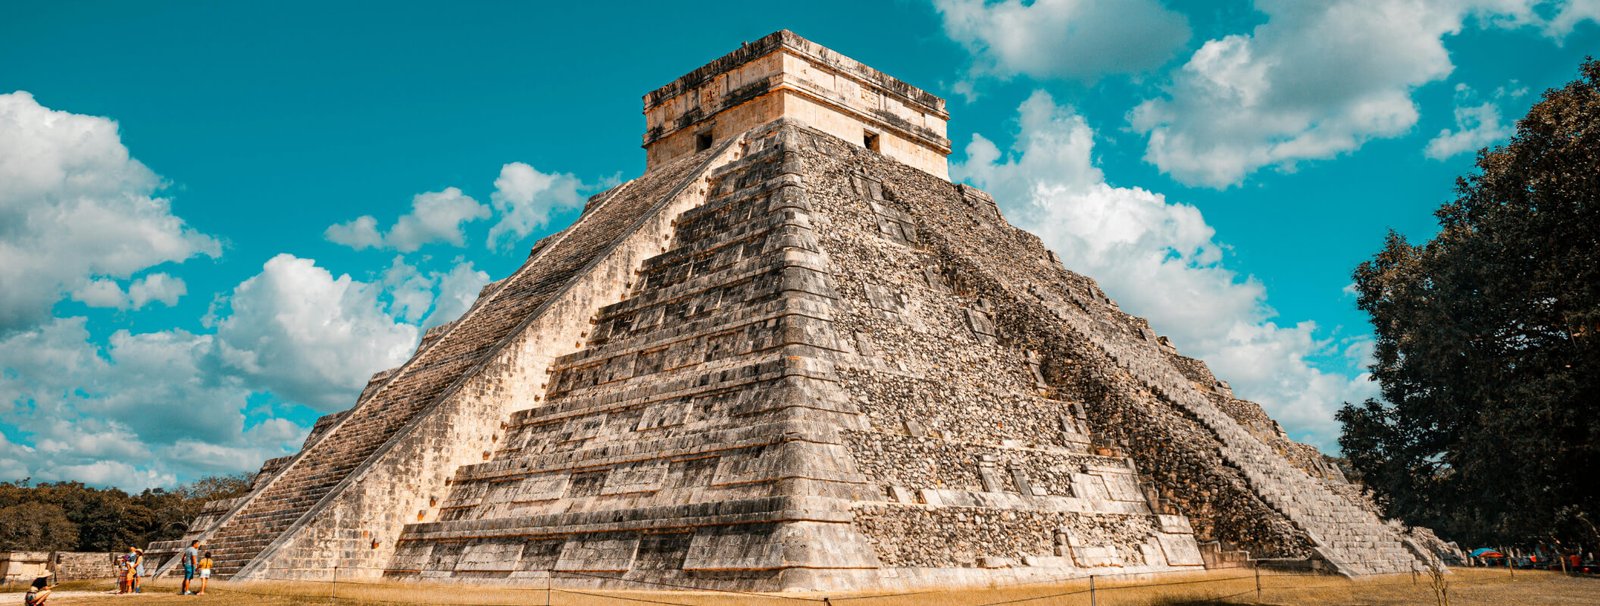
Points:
(598, 553)
(499, 555)
(543, 487)
(645, 477)
(722, 548)
(1180, 550)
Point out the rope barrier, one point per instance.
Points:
(1193, 582)
(1042, 597)
(1234, 595)
(696, 587)
(886, 595)
(1265, 583)
(617, 597)
(689, 586)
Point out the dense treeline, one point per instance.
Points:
(1488, 344)
(70, 516)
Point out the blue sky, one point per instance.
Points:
(216, 219)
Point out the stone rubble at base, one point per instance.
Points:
(790, 362)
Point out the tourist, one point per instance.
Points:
(191, 557)
(138, 570)
(38, 593)
(127, 569)
(205, 572)
(121, 563)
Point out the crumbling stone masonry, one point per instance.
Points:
(792, 356)
(22, 567)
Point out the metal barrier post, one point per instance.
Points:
(1258, 584)
(549, 580)
(1091, 590)
(334, 593)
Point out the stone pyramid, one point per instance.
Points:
(793, 356)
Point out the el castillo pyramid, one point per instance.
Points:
(793, 356)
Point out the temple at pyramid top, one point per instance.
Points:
(785, 76)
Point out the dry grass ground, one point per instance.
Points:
(1466, 587)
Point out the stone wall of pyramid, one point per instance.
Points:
(788, 362)
(1200, 451)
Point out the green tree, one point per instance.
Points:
(37, 527)
(1488, 342)
(112, 520)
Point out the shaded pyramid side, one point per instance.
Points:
(985, 472)
(1196, 458)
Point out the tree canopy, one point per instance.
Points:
(70, 516)
(1488, 343)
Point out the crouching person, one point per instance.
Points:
(38, 593)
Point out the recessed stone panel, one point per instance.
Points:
(729, 548)
(490, 555)
(1181, 550)
(598, 553)
(639, 477)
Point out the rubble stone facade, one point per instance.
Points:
(22, 567)
(787, 359)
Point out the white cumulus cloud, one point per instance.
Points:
(1161, 260)
(358, 233)
(117, 415)
(435, 217)
(80, 217)
(157, 287)
(410, 291)
(448, 294)
(1316, 80)
(458, 289)
(1081, 39)
(1570, 14)
(1477, 126)
(77, 214)
(525, 197)
(152, 409)
(298, 331)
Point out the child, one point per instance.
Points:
(205, 572)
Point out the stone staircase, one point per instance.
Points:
(411, 390)
(677, 420)
(330, 460)
(1351, 539)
